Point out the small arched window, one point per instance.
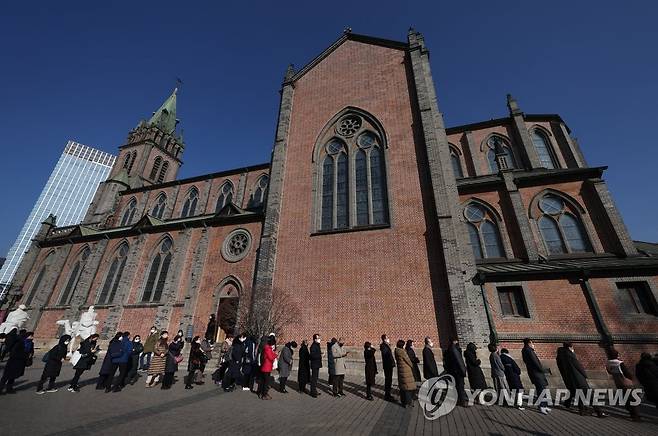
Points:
(497, 146)
(160, 206)
(156, 168)
(483, 233)
(189, 207)
(561, 228)
(335, 185)
(544, 149)
(130, 161)
(113, 277)
(74, 276)
(225, 196)
(34, 289)
(455, 160)
(129, 213)
(258, 195)
(163, 171)
(157, 276)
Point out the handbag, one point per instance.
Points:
(178, 358)
(75, 357)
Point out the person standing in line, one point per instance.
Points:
(331, 367)
(340, 365)
(497, 371)
(574, 376)
(406, 381)
(211, 329)
(87, 350)
(304, 369)
(54, 359)
(476, 378)
(250, 365)
(236, 360)
(108, 367)
(207, 349)
(159, 361)
(15, 366)
(513, 377)
(8, 343)
(454, 365)
(149, 349)
(646, 372)
(536, 372)
(29, 348)
(123, 361)
(623, 379)
(315, 358)
(174, 357)
(225, 357)
(429, 362)
(194, 362)
(411, 351)
(3, 338)
(388, 363)
(269, 356)
(285, 365)
(133, 364)
(370, 368)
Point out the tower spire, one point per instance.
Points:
(165, 117)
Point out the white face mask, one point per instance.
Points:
(153, 330)
(66, 342)
(137, 340)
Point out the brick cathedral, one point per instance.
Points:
(372, 216)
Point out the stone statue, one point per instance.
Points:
(15, 320)
(83, 328)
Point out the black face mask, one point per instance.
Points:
(341, 343)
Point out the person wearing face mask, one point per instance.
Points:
(123, 361)
(316, 364)
(536, 373)
(388, 362)
(269, 356)
(370, 369)
(87, 350)
(429, 362)
(53, 359)
(108, 367)
(149, 348)
(235, 360)
(173, 358)
(304, 370)
(194, 362)
(340, 365)
(15, 367)
(285, 365)
(157, 367)
(133, 365)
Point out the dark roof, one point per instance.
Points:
(598, 266)
(647, 248)
(502, 121)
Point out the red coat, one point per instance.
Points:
(269, 356)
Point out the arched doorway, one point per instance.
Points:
(227, 308)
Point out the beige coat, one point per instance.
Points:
(339, 359)
(406, 380)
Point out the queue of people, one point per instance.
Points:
(245, 362)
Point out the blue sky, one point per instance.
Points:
(89, 71)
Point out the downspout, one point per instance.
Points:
(606, 336)
(479, 279)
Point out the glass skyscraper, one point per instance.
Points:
(67, 195)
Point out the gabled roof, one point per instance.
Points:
(147, 221)
(230, 209)
(82, 231)
(347, 36)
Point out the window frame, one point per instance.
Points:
(518, 297)
(548, 145)
(159, 280)
(488, 216)
(630, 299)
(569, 209)
(75, 272)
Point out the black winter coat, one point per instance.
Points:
(371, 365)
(87, 356)
(175, 349)
(55, 357)
(388, 361)
(304, 370)
(453, 361)
(512, 372)
(15, 366)
(572, 371)
(646, 372)
(476, 378)
(114, 349)
(237, 359)
(316, 356)
(535, 369)
(429, 363)
(414, 360)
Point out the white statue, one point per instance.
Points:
(15, 320)
(83, 328)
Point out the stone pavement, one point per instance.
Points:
(206, 409)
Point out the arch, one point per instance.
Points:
(534, 208)
(545, 151)
(163, 171)
(159, 206)
(130, 162)
(114, 273)
(191, 201)
(36, 283)
(485, 226)
(74, 276)
(225, 195)
(129, 212)
(259, 192)
(156, 278)
(220, 291)
(226, 302)
(156, 168)
(506, 147)
(456, 161)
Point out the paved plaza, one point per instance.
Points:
(208, 410)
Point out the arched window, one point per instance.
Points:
(157, 275)
(74, 276)
(189, 207)
(163, 171)
(225, 196)
(483, 233)
(354, 152)
(160, 206)
(496, 145)
(34, 289)
(456, 163)
(156, 168)
(113, 277)
(544, 149)
(258, 195)
(561, 227)
(129, 161)
(129, 213)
